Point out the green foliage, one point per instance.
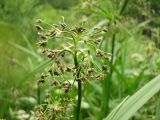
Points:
(8, 58)
(63, 4)
(128, 107)
(132, 37)
(76, 62)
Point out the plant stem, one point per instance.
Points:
(107, 82)
(124, 6)
(79, 86)
(79, 99)
(38, 93)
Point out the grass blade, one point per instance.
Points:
(26, 51)
(107, 82)
(136, 101)
(158, 109)
(40, 67)
(109, 117)
(124, 6)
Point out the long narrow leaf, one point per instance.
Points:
(111, 115)
(136, 101)
(26, 50)
(124, 6)
(40, 67)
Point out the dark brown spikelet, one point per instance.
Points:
(63, 26)
(51, 72)
(50, 54)
(79, 30)
(42, 43)
(63, 54)
(41, 81)
(53, 33)
(68, 69)
(99, 53)
(66, 90)
(91, 71)
(104, 67)
(99, 77)
(97, 42)
(105, 30)
(54, 82)
(66, 87)
(56, 73)
(38, 27)
(38, 21)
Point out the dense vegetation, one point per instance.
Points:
(79, 59)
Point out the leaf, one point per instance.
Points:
(124, 6)
(109, 117)
(40, 67)
(136, 101)
(28, 43)
(158, 110)
(30, 52)
(99, 24)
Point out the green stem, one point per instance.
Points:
(38, 93)
(79, 87)
(124, 6)
(107, 82)
(79, 99)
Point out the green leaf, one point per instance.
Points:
(136, 101)
(30, 52)
(158, 109)
(124, 6)
(111, 115)
(40, 67)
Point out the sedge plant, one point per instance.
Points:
(76, 59)
(111, 11)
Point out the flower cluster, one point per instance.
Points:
(76, 59)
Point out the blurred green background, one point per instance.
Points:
(137, 50)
